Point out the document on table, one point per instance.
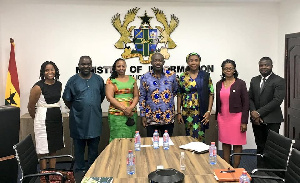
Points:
(171, 143)
(97, 180)
(198, 147)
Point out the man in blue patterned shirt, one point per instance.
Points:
(157, 91)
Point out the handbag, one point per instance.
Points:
(68, 175)
(130, 122)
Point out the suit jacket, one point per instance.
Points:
(238, 99)
(267, 102)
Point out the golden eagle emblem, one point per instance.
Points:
(122, 28)
(168, 28)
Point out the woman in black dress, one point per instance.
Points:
(44, 108)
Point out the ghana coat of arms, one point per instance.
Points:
(145, 40)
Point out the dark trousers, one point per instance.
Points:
(261, 134)
(79, 149)
(161, 129)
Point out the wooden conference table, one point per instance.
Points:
(112, 161)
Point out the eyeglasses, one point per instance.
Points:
(228, 69)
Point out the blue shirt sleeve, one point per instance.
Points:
(175, 85)
(67, 95)
(142, 98)
(102, 90)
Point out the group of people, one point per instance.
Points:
(83, 95)
(85, 91)
(233, 103)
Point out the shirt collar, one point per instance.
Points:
(267, 77)
(163, 73)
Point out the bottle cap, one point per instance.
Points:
(166, 131)
(244, 172)
(137, 132)
(182, 153)
(159, 167)
(130, 151)
(156, 131)
(212, 143)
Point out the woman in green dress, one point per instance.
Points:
(122, 93)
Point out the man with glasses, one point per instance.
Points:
(83, 95)
(266, 93)
(157, 91)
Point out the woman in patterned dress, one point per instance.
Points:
(195, 97)
(122, 93)
(44, 108)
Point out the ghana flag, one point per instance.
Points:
(12, 92)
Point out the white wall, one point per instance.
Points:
(289, 16)
(62, 31)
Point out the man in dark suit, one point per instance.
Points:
(266, 93)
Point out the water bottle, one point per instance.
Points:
(166, 139)
(137, 141)
(155, 139)
(130, 163)
(244, 178)
(212, 154)
(182, 161)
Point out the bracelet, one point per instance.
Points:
(208, 111)
(179, 113)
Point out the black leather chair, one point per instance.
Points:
(292, 174)
(276, 153)
(9, 135)
(28, 161)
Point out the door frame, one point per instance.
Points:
(286, 77)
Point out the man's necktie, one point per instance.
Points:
(262, 84)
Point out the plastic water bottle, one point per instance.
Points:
(166, 139)
(155, 140)
(182, 161)
(212, 154)
(244, 178)
(130, 163)
(137, 141)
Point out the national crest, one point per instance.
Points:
(145, 40)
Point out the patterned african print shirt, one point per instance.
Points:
(123, 94)
(157, 97)
(188, 91)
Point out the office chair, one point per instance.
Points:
(28, 160)
(275, 156)
(292, 173)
